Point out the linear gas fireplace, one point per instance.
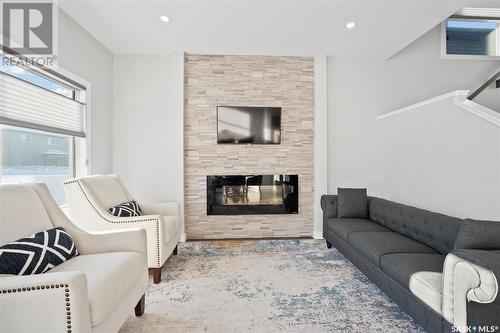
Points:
(252, 194)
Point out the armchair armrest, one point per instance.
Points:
(329, 206)
(469, 276)
(114, 241)
(50, 302)
(165, 208)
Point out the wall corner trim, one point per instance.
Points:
(456, 94)
(317, 235)
(479, 110)
(320, 139)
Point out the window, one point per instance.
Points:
(42, 128)
(51, 141)
(25, 138)
(473, 32)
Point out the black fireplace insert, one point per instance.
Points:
(252, 194)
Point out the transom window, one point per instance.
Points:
(473, 32)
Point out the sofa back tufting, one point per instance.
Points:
(433, 229)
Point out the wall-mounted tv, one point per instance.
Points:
(248, 125)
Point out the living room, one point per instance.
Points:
(228, 166)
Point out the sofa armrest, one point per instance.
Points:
(165, 208)
(329, 205)
(49, 302)
(469, 276)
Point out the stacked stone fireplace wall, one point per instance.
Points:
(211, 81)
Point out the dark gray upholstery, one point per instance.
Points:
(352, 202)
(435, 230)
(476, 234)
(421, 273)
(329, 206)
(422, 313)
(405, 254)
(345, 226)
(374, 244)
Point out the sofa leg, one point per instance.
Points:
(139, 308)
(328, 245)
(156, 275)
(176, 249)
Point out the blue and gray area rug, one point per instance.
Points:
(265, 286)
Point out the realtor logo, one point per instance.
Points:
(28, 29)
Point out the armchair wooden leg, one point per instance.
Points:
(139, 308)
(328, 245)
(156, 275)
(176, 250)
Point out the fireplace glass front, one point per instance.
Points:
(252, 194)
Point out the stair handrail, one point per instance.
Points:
(484, 86)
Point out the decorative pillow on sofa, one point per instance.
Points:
(352, 202)
(476, 234)
(126, 209)
(37, 253)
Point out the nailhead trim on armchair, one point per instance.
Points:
(49, 286)
(109, 221)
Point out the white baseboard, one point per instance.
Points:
(183, 237)
(317, 235)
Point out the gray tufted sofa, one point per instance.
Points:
(443, 271)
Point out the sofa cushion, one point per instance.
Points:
(420, 273)
(481, 235)
(374, 244)
(435, 230)
(342, 227)
(110, 276)
(352, 202)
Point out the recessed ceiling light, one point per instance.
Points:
(164, 18)
(350, 25)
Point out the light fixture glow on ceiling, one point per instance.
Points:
(350, 25)
(164, 18)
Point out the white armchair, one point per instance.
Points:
(93, 292)
(89, 199)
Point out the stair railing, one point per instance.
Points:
(494, 78)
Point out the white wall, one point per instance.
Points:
(361, 90)
(85, 57)
(443, 158)
(148, 125)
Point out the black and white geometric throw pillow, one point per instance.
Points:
(126, 209)
(37, 253)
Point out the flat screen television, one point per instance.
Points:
(248, 125)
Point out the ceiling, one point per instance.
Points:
(263, 27)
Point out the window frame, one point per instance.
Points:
(81, 164)
(445, 55)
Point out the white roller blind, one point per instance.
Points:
(27, 105)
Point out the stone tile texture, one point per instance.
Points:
(227, 80)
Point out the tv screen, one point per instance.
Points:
(245, 124)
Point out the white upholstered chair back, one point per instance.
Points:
(107, 189)
(89, 200)
(22, 213)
